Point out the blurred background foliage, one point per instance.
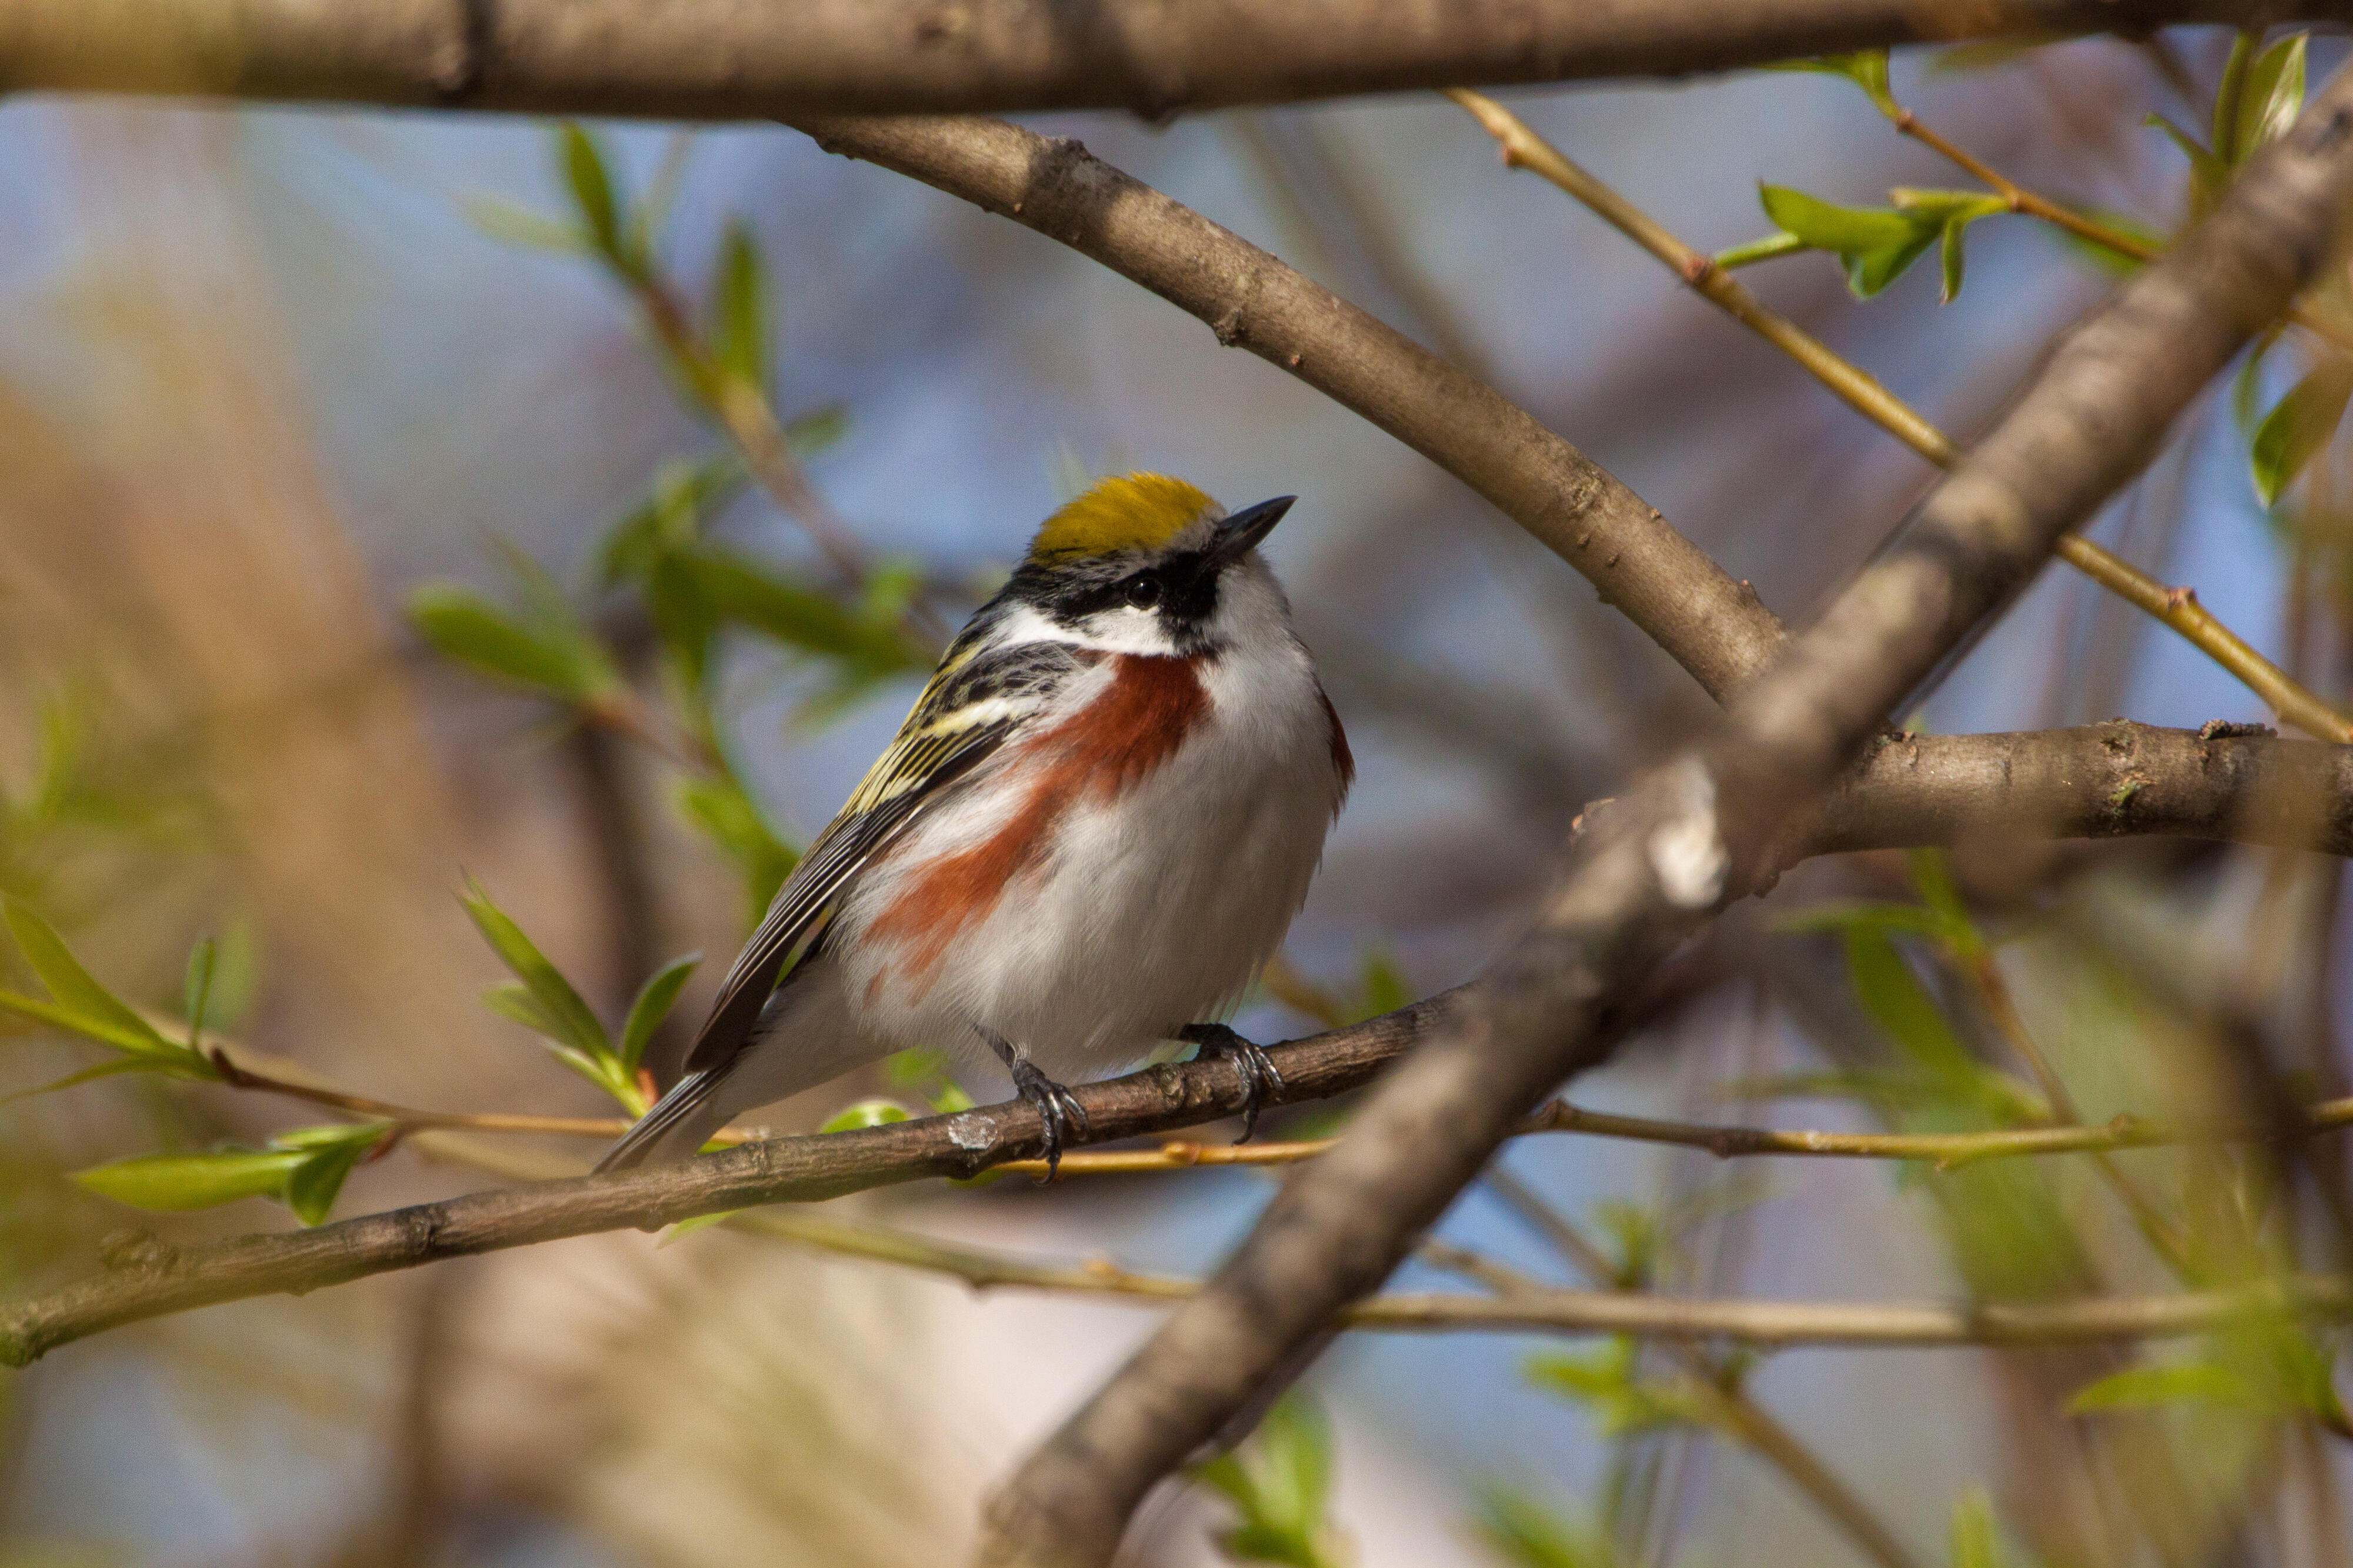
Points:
(452, 566)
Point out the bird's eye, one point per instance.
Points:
(1142, 591)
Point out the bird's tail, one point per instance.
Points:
(680, 1123)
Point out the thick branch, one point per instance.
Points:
(752, 60)
(1713, 626)
(1654, 867)
(2102, 780)
(151, 1279)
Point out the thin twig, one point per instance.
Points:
(2177, 607)
(1706, 1376)
(1522, 1305)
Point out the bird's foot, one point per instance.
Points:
(1257, 1069)
(1064, 1117)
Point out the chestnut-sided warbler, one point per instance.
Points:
(1085, 841)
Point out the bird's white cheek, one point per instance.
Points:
(1125, 630)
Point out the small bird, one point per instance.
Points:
(1085, 841)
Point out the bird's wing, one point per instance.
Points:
(971, 705)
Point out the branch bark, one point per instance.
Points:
(753, 59)
(1712, 625)
(1692, 833)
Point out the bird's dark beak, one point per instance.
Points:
(1239, 533)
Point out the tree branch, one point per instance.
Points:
(750, 59)
(1712, 625)
(148, 1278)
(2176, 608)
(1693, 832)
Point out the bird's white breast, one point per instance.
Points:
(1140, 911)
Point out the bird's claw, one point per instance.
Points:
(1063, 1116)
(1257, 1070)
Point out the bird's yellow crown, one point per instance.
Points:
(1132, 511)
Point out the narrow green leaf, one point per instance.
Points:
(669, 516)
(114, 1066)
(1868, 271)
(739, 288)
(1867, 69)
(1932, 875)
(1948, 248)
(2187, 1383)
(1826, 226)
(687, 1228)
(760, 598)
(2247, 383)
(1975, 1543)
(2272, 97)
(311, 1187)
(1528, 1535)
(592, 189)
(1946, 205)
(2298, 426)
(173, 1183)
(866, 1113)
(463, 625)
(2208, 172)
(1382, 985)
(1752, 251)
(1894, 996)
(512, 1000)
(515, 225)
(718, 807)
(52, 1016)
(1860, 914)
(77, 992)
(197, 991)
(651, 1006)
(568, 1018)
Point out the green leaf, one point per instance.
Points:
(1894, 996)
(114, 1066)
(1867, 69)
(196, 990)
(1529, 1535)
(651, 1006)
(800, 618)
(2271, 98)
(1826, 226)
(670, 518)
(1872, 270)
(866, 1113)
(739, 289)
(1382, 986)
(515, 224)
(1932, 874)
(2208, 172)
(87, 1007)
(174, 1182)
(1623, 1403)
(2247, 383)
(1860, 914)
(560, 1012)
(1949, 251)
(1755, 250)
(1975, 1542)
(719, 808)
(592, 190)
(2186, 1382)
(311, 1187)
(1874, 244)
(1280, 1483)
(463, 625)
(2298, 426)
